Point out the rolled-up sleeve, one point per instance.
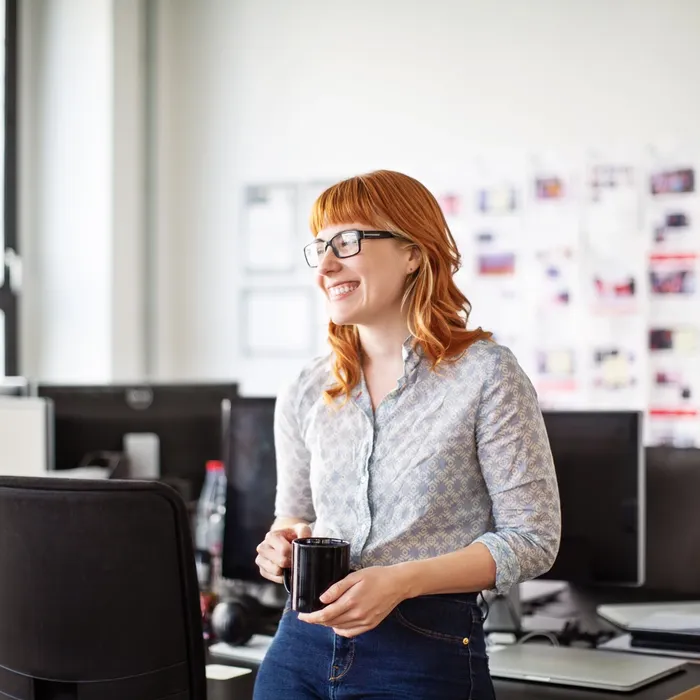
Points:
(516, 462)
(293, 498)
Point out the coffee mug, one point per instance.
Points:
(317, 563)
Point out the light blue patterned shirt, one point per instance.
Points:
(450, 457)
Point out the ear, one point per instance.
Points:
(414, 259)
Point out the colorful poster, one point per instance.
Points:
(613, 285)
(615, 376)
(555, 278)
(673, 427)
(673, 278)
(553, 206)
(557, 377)
(673, 214)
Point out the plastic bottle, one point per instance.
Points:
(211, 510)
(209, 539)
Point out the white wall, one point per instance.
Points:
(128, 312)
(72, 189)
(81, 189)
(267, 90)
(272, 90)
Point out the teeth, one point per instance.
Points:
(341, 289)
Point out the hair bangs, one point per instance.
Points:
(349, 201)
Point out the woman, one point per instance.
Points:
(420, 442)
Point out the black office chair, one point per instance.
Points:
(98, 592)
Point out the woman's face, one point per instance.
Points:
(365, 289)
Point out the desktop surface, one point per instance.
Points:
(506, 689)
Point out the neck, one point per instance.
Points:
(383, 342)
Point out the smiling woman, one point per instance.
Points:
(418, 440)
(415, 263)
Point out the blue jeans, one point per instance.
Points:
(428, 648)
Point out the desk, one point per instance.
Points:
(569, 603)
(515, 690)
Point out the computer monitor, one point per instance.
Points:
(185, 421)
(673, 536)
(251, 483)
(599, 461)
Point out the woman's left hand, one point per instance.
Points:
(360, 601)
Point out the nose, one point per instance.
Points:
(328, 262)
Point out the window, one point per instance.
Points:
(9, 260)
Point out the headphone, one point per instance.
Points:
(236, 620)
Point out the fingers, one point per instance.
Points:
(275, 554)
(338, 589)
(268, 570)
(287, 533)
(354, 617)
(275, 551)
(330, 614)
(302, 530)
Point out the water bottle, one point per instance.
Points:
(209, 529)
(209, 539)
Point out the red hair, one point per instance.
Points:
(438, 312)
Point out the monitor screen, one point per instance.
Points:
(673, 536)
(251, 483)
(186, 421)
(599, 460)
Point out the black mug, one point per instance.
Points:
(317, 563)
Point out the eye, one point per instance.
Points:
(347, 240)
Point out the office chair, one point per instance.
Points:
(98, 592)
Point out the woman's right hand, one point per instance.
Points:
(275, 551)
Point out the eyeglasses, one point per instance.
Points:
(344, 245)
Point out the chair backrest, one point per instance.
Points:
(98, 592)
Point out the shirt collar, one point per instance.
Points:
(412, 352)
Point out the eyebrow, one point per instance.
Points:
(325, 240)
(345, 230)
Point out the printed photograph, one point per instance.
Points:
(673, 181)
(549, 188)
(497, 264)
(497, 200)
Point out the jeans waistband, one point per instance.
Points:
(463, 597)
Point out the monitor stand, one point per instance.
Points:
(588, 604)
(504, 613)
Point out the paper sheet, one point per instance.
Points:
(270, 229)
